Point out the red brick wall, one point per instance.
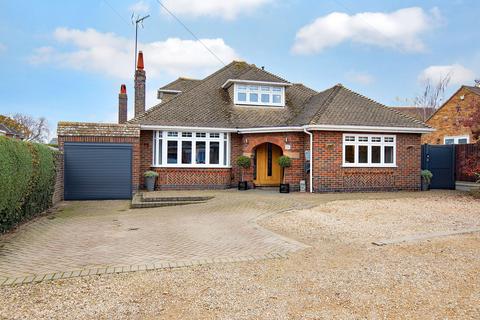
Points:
(329, 175)
(134, 141)
(296, 140)
(181, 178)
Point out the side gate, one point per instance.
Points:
(440, 160)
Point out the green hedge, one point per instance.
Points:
(27, 178)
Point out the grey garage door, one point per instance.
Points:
(96, 171)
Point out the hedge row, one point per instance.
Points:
(27, 178)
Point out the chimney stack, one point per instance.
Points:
(122, 104)
(140, 86)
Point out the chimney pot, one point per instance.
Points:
(122, 104)
(140, 65)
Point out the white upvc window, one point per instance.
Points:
(259, 95)
(456, 140)
(369, 150)
(191, 149)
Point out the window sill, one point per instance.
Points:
(368, 166)
(176, 166)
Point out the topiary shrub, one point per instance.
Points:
(27, 179)
(244, 163)
(284, 162)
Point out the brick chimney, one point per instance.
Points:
(122, 104)
(139, 86)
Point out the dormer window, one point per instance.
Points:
(259, 95)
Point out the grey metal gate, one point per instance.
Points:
(440, 160)
(97, 171)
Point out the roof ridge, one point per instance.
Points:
(157, 106)
(384, 106)
(336, 88)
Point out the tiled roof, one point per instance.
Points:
(10, 131)
(206, 104)
(97, 129)
(475, 90)
(181, 84)
(418, 113)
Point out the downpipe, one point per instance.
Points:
(311, 158)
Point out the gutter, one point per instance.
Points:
(311, 158)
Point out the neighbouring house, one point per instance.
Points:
(338, 139)
(9, 132)
(447, 120)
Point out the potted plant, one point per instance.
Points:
(284, 162)
(150, 177)
(244, 163)
(426, 179)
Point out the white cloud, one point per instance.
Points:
(140, 7)
(226, 9)
(112, 55)
(458, 74)
(360, 78)
(400, 29)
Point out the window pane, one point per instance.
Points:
(200, 134)
(462, 141)
(173, 134)
(225, 152)
(349, 154)
(200, 152)
(376, 139)
(265, 88)
(157, 152)
(277, 89)
(265, 98)
(349, 138)
(242, 96)
(388, 139)
(214, 135)
(362, 154)
(388, 154)
(253, 88)
(253, 97)
(449, 141)
(186, 152)
(242, 87)
(214, 152)
(172, 155)
(276, 98)
(364, 139)
(375, 154)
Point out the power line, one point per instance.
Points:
(190, 31)
(116, 12)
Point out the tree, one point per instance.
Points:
(473, 121)
(32, 129)
(432, 97)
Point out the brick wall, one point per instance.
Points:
(58, 188)
(447, 120)
(296, 142)
(329, 175)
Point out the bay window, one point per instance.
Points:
(190, 149)
(366, 150)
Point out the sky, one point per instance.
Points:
(66, 60)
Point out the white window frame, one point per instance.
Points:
(164, 136)
(249, 90)
(369, 143)
(456, 138)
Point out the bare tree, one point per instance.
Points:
(33, 129)
(432, 97)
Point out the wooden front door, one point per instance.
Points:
(268, 172)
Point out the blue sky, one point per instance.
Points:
(65, 60)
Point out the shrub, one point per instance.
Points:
(27, 179)
(243, 162)
(149, 174)
(427, 175)
(284, 162)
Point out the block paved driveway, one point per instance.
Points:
(95, 237)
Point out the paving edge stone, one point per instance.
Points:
(162, 265)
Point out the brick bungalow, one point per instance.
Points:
(447, 120)
(338, 140)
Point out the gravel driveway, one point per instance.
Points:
(340, 276)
